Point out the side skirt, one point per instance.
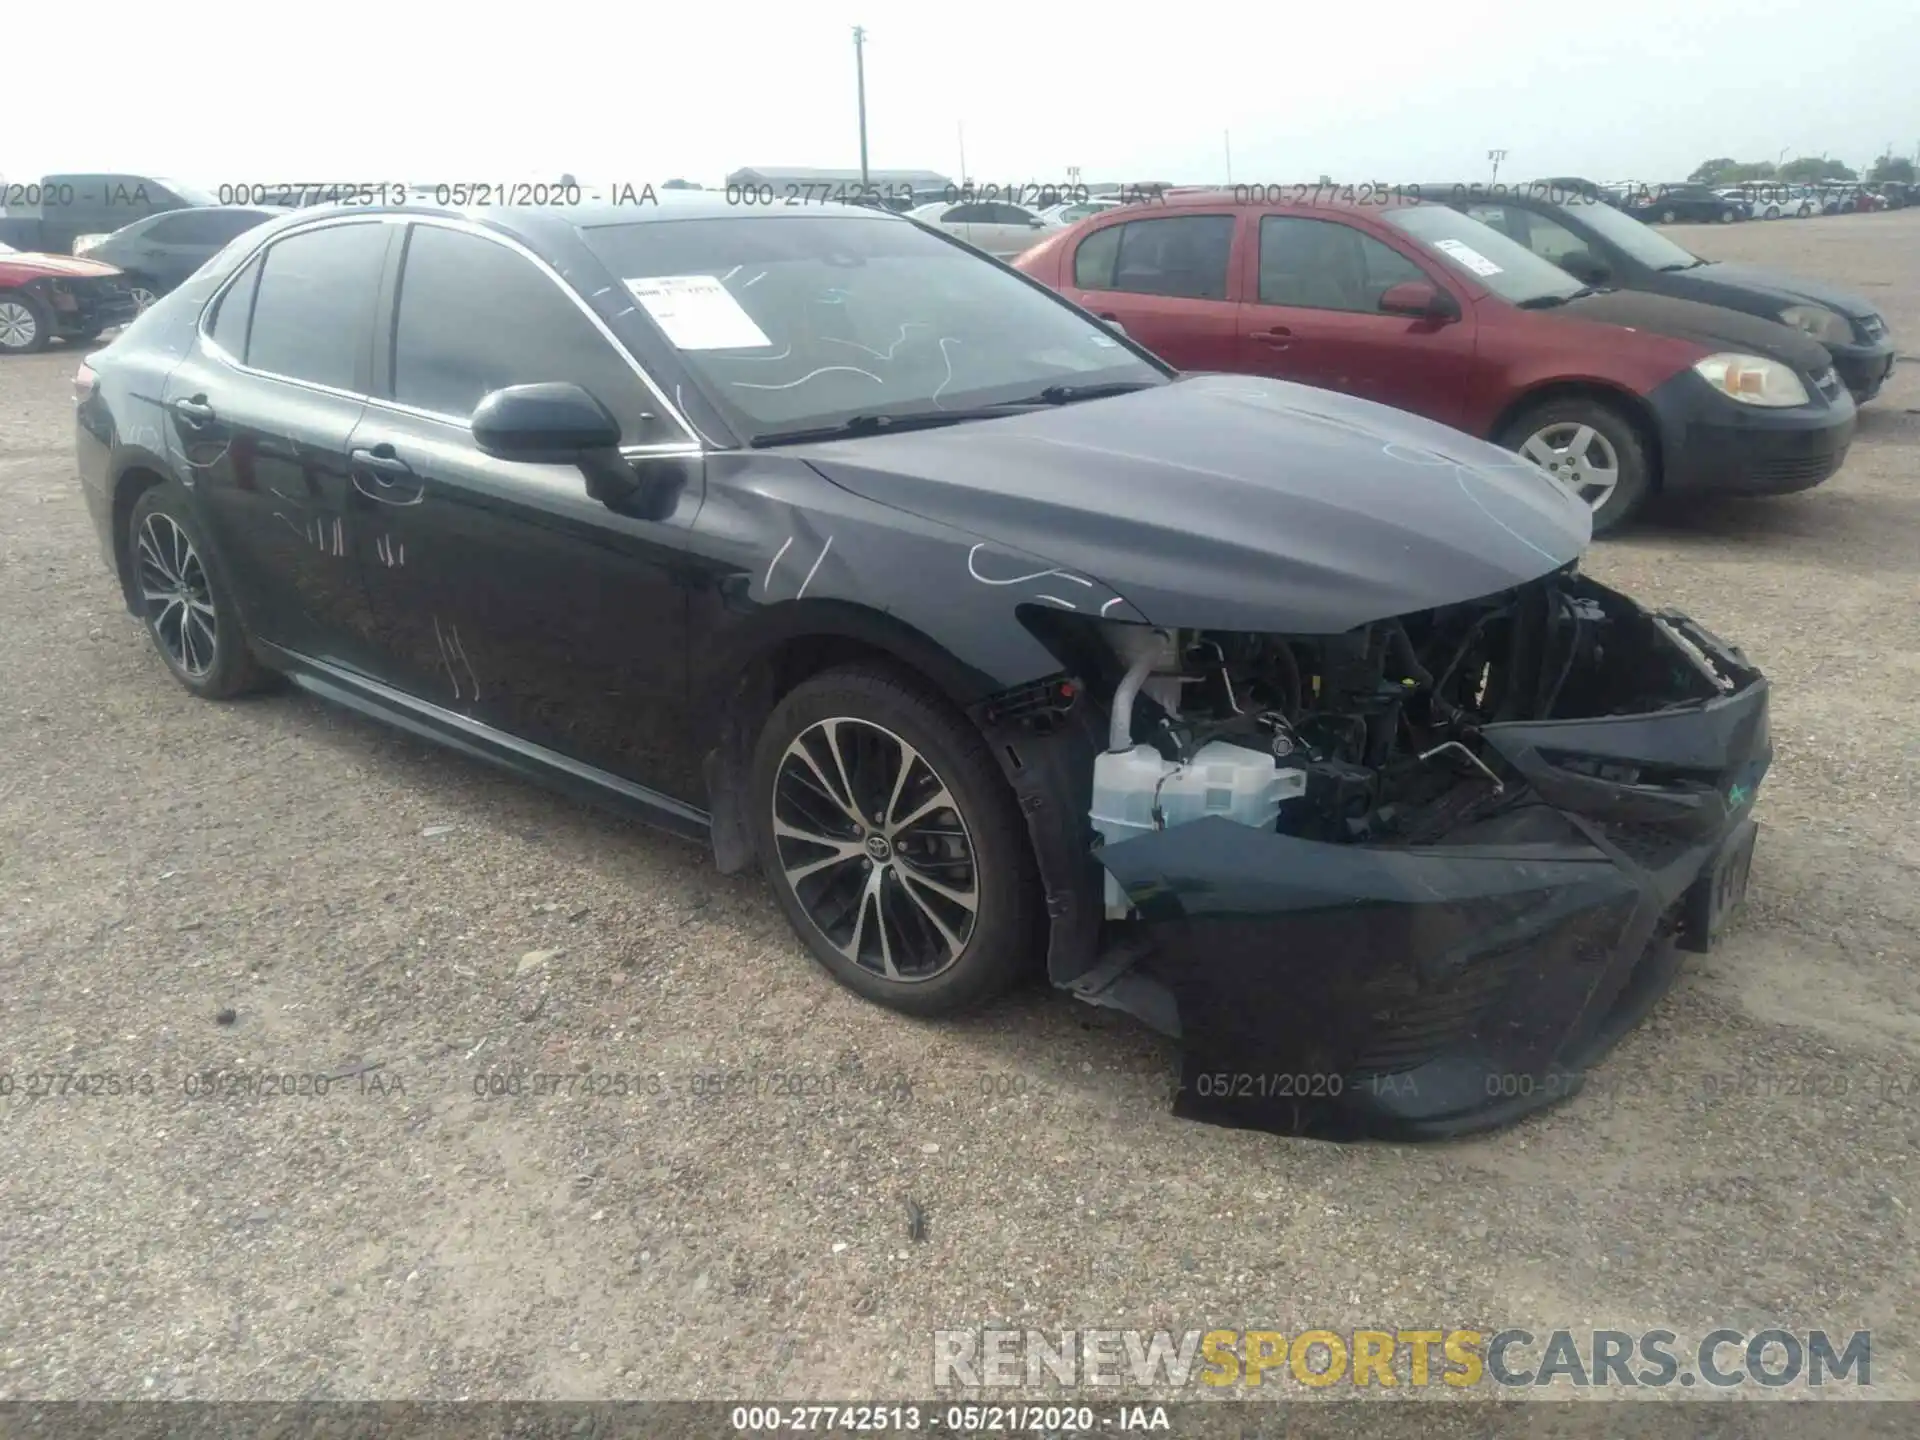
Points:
(535, 762)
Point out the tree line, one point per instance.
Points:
(1724, 170)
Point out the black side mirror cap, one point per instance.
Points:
(554, 423)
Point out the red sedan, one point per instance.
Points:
(1417, 306)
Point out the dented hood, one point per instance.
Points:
(1234, 503)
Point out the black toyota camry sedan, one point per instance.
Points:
(1281, 720)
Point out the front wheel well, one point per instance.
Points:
(763, 682)
(127, 491)
(1629, 406)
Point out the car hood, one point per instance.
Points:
(1786, 288)
(33, 264)
(1714, 326)
(1229, 502)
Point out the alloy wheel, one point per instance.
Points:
(179, 600)
(18, 328)
(142, 297)
(875, 849)
(1579, 457)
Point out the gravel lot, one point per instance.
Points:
(359, 899)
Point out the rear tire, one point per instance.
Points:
(948, 902)
(1727, 217)
(1543, 427)
(1666, 217)
(25, 328)
(184, 598)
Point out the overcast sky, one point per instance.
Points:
(1392, 91)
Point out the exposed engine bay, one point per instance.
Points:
(1373, 736)
(1366, 879)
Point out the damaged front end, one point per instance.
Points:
(1411, 880)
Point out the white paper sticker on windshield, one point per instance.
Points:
(697, 312)
(1468, 256)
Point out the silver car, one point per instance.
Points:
(995, 226)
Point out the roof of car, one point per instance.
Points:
(637, 207)
(1262, 197)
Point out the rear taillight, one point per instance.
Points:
(83, 379)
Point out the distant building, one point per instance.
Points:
(921, 182)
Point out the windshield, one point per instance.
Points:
(1642, 242)
(1507, 268)
(802, 321)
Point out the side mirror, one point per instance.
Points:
(1419, 300)
(553, 423)
(558, 423)
(1584, 266)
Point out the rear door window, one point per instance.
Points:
(313, 314)
(1183, 256)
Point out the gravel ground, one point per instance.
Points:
(358, 899)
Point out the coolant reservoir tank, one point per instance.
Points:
(1235, 783)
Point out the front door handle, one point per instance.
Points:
(196, 412)
(1278, 338)
(381, 460)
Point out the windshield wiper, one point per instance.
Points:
(878, 424)
(1547, 302)
(1067, 394)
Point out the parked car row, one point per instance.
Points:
(997, 643)
(1621, 363)
(1761, 200)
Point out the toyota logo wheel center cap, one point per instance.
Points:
(878, 849)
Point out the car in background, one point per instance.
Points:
(1844, 199)
(58, 297)
(1353, 773)
(1603, 247)
(1670, 204)
(1418, 306)
(1781, 202)
(998, 227)
(49, 215)
(161, 251)
(1739, 199)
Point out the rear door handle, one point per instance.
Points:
(382, 462)
(195, 412)
(1278, 338)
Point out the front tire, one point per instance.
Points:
(1666, 217)
(184, 598)
(893, 843)
(1592, 448)
(1727, 217)
(24, 325)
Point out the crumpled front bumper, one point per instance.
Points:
(1351, 992)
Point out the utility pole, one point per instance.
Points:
(963, 151)
(1226, 139)
(860, 80)
(1496, 156)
